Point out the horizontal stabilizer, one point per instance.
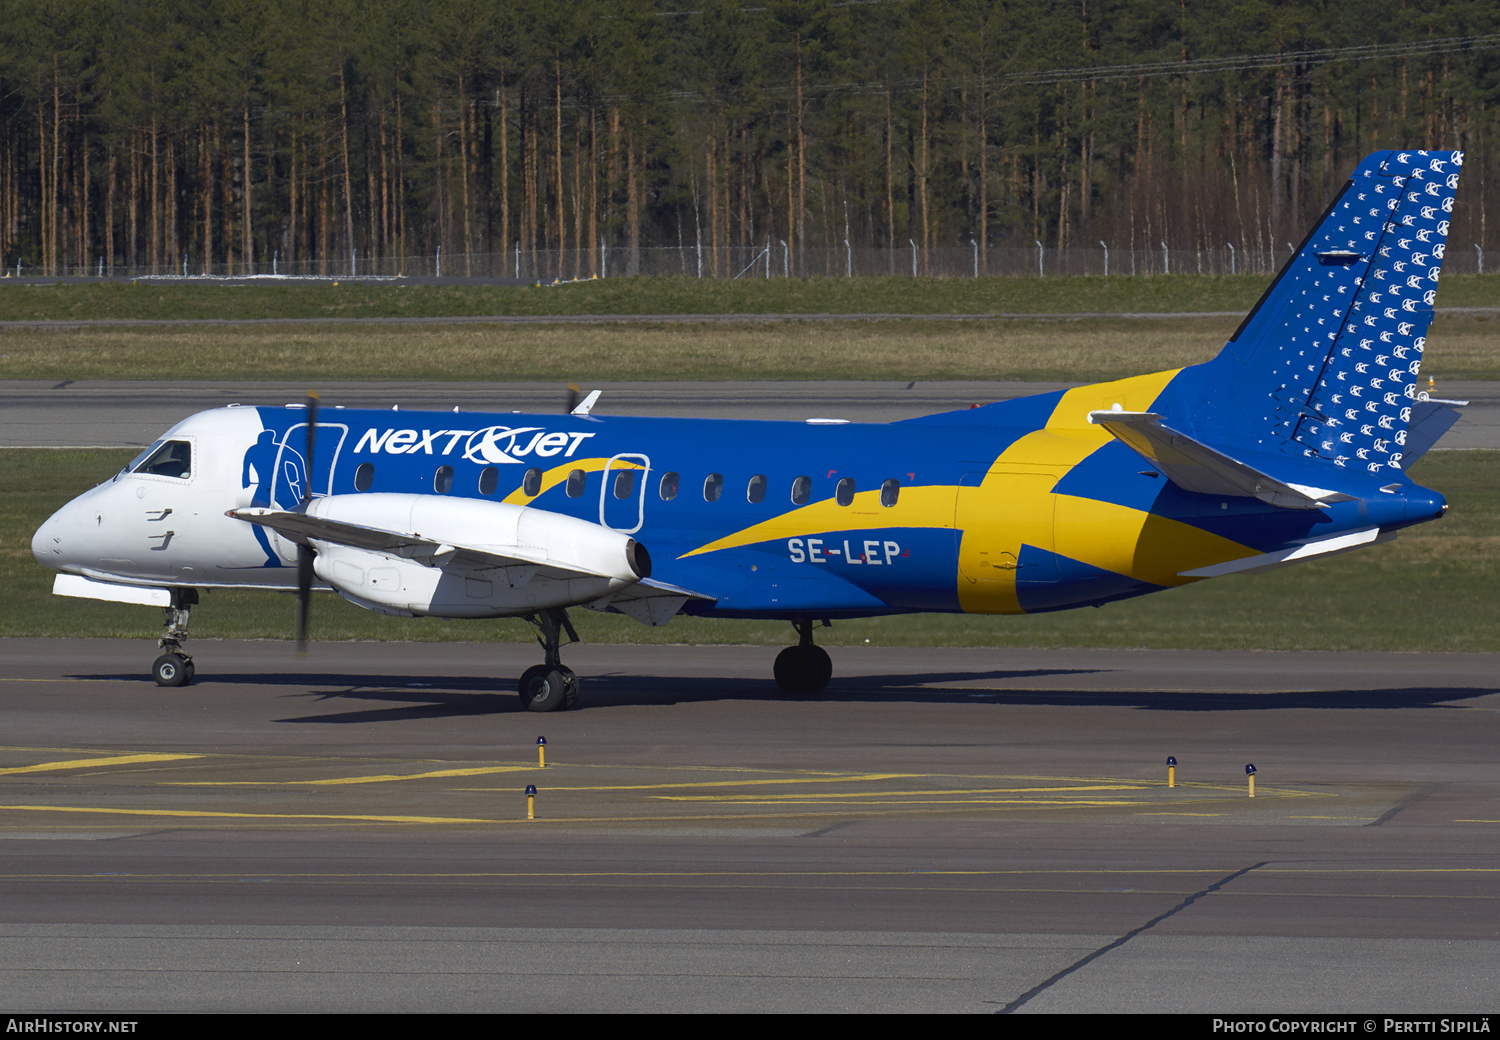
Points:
(1270, 561)
(1194, 466)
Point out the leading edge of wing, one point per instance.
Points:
(302, 528)
(1196, 467)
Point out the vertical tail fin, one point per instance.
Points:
(1326, 364)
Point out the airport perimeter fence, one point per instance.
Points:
(775, 260)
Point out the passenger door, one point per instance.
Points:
(622, 493)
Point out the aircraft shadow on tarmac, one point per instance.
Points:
(438, 697)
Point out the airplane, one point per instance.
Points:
(1291, 444)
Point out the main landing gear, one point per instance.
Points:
(551, 686)
(804, 668)
(174, 667)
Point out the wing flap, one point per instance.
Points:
(1194, 466)
(649, 601)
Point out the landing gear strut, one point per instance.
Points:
(804, 668)
(174, 667)
(551, 686)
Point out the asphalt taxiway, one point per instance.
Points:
(954, 830)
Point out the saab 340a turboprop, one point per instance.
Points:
(1291, 444)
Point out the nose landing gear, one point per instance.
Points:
(806, 667)
(174, 667)
(551, 686)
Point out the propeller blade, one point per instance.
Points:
(573, 391)
(305, 553)
(304, 594)
(312, 436)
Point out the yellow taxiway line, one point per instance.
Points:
(81, 763)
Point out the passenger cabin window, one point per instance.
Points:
(756, 492)
(531, 483)
(576, 482)
(844, 493)
(442, 480)
(624, 483)
(364, 476)
(801, 491)
(713, 486)
(172, 459)
(889, 492)
(489, 480)
(668, 488)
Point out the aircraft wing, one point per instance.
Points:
(649, 601)
(1194, 466)
(301, 528)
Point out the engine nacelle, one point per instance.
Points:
(558, 560)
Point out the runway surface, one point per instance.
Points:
(951, 830)
(100, 413)
(631, 319)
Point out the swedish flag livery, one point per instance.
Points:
(1291, 444)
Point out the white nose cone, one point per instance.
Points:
(68, 535)
(46, 544)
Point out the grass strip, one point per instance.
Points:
(1061, 295)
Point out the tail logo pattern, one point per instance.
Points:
(1390, 220)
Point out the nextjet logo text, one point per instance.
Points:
(494, 444)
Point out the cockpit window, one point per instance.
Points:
(142, 457)
(172, 459)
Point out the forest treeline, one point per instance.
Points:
(228, 135)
